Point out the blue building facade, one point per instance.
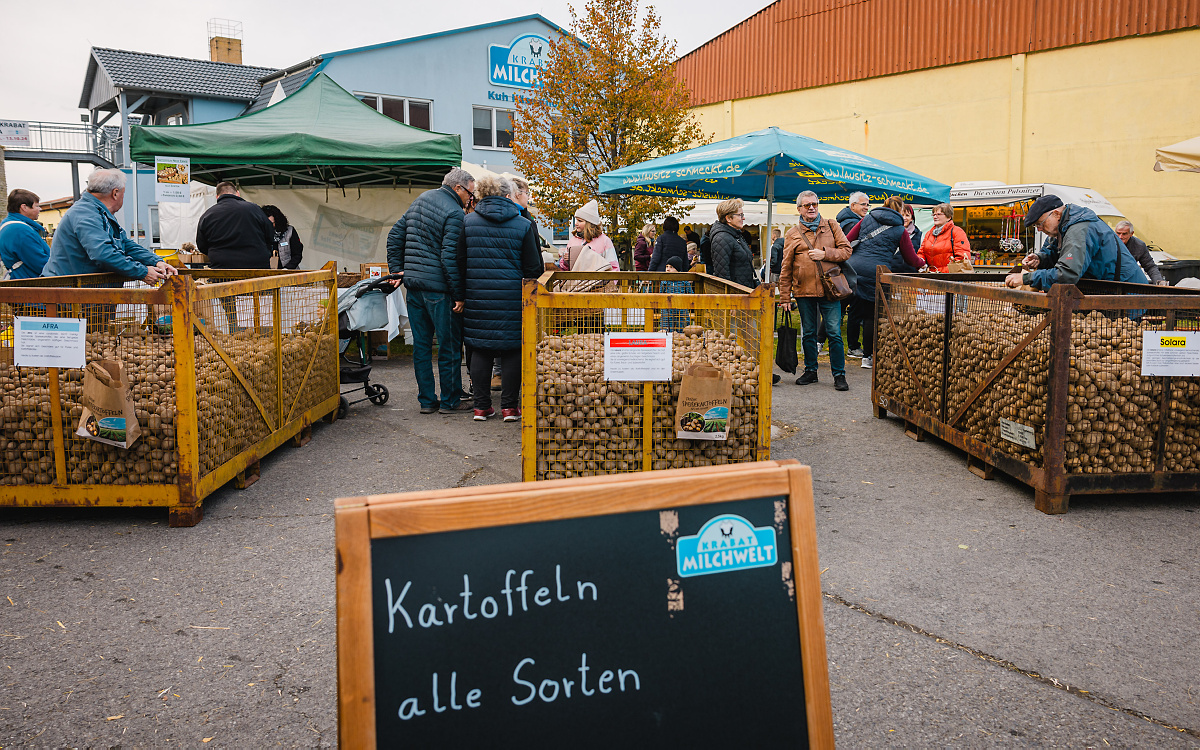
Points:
(461, 81)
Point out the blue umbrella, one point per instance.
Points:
(772, 164)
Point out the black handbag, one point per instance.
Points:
(785, 347)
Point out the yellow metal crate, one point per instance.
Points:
(575, 423)
(224, 367)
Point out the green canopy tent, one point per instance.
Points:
(320, 136)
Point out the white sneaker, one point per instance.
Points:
(855, 354)
(820, 349)
(867, 364)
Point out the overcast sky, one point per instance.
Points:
(44, 57)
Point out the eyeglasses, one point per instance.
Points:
(1041, 223)
(808, 205)
(741, 215)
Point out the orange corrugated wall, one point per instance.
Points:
(795, 44)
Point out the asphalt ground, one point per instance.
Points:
(956, 614)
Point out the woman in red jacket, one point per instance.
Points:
(945, 242)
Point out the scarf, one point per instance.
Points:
(938, 230)
(813, 225)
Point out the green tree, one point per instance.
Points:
(608, 97)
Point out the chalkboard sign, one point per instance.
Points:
(679, 608)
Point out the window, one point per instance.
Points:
(492, 128)
(414, 112)
(155, 228)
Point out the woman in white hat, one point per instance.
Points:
(587, 233)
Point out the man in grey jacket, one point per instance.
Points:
(423, 246)
(1140, 252)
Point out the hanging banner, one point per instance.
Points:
(14, 134)
(171, 177)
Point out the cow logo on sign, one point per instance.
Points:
(726, 543)
(519, 64)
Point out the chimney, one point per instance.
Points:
(225, 40)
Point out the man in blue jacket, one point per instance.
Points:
(23, 248)
(89, 239)
(1080, 246)
(423, 246)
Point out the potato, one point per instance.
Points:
(599, 424)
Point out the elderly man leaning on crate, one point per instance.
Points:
(1081, 245)
(89, 239)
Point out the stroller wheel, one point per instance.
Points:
(343, 407)
(380, 396)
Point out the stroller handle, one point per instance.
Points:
(380, 285)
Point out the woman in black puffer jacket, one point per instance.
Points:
(731, 257)
(497, 248)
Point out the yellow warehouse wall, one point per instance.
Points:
(1089, 116)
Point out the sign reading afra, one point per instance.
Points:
(519, 64)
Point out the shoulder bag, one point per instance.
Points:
(834, 283)
(956, 265)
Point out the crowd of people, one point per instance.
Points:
(233, 233)
(462, 250)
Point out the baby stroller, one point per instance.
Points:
(361, 308)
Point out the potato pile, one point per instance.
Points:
(587, 426)
(26, 427)
(979, 340)
(228, 420)
(921, 333)
(1113, 414)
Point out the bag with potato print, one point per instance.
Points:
(108, 410)
(702, 410)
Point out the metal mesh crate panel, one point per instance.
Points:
(229, 420)
(309, 345)
(139, 337)
(908, 359)
(1113, 418)
(588, 426)
(984, 333)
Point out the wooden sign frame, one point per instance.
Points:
(362, 519)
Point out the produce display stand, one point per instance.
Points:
(1045, 387)
(575, 423)
(223, 365)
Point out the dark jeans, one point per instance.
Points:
(812, 310)
(867, 315)
(841, 312)
(510, 377)
(854, 324)
(429, 313)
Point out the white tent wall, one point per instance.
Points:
(177, 221)
(349, 229)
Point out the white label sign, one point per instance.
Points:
(1014, 432)
(14, 134)
(1173, 353)
(171, 177)
(49, 342)
(637, 356)
(375, 272)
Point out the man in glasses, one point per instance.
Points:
(423, 246)
(809, 244)
(1080, 245)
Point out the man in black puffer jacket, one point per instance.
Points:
(423, 246)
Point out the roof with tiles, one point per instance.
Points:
(148, 72)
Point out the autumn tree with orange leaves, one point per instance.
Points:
(607, 98)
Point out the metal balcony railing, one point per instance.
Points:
(76, 138)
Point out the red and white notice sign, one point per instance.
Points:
(637, 356)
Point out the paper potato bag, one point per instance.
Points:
(108, 411)
(702, 410)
